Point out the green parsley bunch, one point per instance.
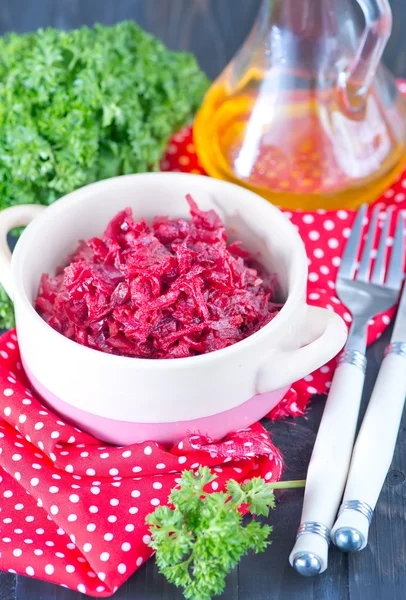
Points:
(203, 537)
(83, 105)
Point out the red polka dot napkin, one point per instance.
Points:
(324, 234)
(72, 510)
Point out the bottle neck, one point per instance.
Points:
(303, 18)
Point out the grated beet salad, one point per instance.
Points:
(168, 290)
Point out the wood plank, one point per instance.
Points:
(379, 571)
(7, 586)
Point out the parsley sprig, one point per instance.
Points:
(203, 537)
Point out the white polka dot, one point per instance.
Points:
(318, 253)
(311, 390)
(104, 556)
(29, 519)
(95, 490)
(114, 502)
(121, 568)
(101, 576)
(313, 277)
(336, 260)
(328, 225)
(133, 510)
(139, 561)
(346, 232)
(69, 468)
(112, 519)
(93, 509)
(324, 369)
(342, 214)
(22, 418)
(34, 481)
(385, 319)
(308, 378)
(30, 570)
(130, 527)
(16, 457)
(7, 494)
(314, 236)
(400, 197)
(54, 435)
(113, 471)
(81, 588)
(308, 219)
(8, 392)
(7, 411)
(157, 485)
(49, 569)
(26, 401)
(215, 485)
(137, 469)
(108, 537)
(314, 296)
(74, 498)
(135, 493)
(126, 454)
(72, 518)
(38, 426)
(84, 454)
(70, 569)
(269, 475)
(53, 489)
(333, 243)
(347, 317)
(87, 547)
(17, 552)
(104, 455)
(182, 460)
(54, 509)
(91, 527)
(148, 450)
(126, 547)
(161, 466)
(324, 269)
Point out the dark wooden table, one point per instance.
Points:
(377, 573)
(213, 30)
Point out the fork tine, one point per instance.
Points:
(365, 264)
(378, 273)
(395, 271)
(349, 259)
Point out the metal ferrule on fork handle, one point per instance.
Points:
(397, 348)
(353, 357)
(309, 563)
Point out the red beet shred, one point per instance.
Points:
(168, 290)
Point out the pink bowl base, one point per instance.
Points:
(124, 432)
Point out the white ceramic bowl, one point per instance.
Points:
(124, 400)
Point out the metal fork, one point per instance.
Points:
(365, 294)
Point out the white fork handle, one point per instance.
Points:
(328, 466)
(373, 451)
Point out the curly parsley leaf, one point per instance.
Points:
(83, 105)
(203, 537)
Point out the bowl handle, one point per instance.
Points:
(324, 333)
(15, 216)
